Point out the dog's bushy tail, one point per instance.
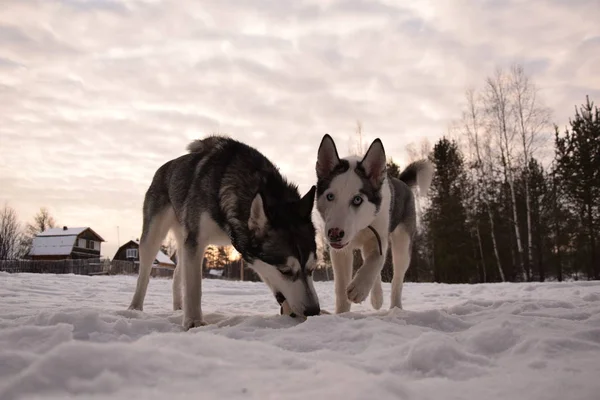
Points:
(418, 173)
(209, 142)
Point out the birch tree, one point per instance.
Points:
(480, 152)
(498, 109)
(531, 118)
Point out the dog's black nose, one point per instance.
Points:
(335, 234)
(313, 310)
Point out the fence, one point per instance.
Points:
(78, 267)
(230, 271)
(118, 267)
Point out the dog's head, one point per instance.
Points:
(349, 190)
(285, 247)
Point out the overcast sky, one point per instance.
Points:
(96, 95)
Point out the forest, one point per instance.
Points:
(514, 197)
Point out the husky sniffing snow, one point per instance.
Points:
(363, 208)
(226, 192)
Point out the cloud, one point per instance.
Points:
(96, 95)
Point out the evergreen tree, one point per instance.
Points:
(446, 217)
(578, 170)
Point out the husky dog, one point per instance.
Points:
(225, 192)
(363, 208)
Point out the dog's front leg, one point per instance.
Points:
(341, 262)
(361, 285)
(177, 300)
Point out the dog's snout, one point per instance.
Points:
(312, 310)
(335, 234)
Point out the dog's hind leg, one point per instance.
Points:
(156, 225)
(177, 289)
(191, 270)
(377, 293)
(341, 262)
(401, 247)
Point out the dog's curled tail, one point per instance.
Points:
(209, 142)
(418, 173)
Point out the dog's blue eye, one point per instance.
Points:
(357, 200)
(330, 196)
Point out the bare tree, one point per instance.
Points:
(531, 118)
(416, 153)
(481, 155)
(356, 144)
(10, 234)
(41, 222)
(499, 111)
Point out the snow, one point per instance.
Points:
(162, 258)
(62, 232)
(52, 245)
(71, 337)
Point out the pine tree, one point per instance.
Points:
(578, 170)
(446, 217)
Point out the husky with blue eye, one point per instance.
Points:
(363, 208)
(225, 192)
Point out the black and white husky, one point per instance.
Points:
(225, 192)
(363, 208)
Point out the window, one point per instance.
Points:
(131, 253)
(90, 244)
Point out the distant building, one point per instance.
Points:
(66, 243)
(130, 252)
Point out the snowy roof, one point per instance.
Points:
(52, 245)
(161, 257)
(62, 232)
(67, 232)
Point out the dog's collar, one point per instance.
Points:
(377, 237)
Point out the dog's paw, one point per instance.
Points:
(136, 307)
(377, 297)
(359, 289)
(189, 323)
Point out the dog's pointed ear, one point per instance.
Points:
(374, 163)
(258, 218)
(327, 157)
(305, 204)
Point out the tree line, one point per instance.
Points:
(514, 197)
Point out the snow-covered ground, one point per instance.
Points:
(65, 336)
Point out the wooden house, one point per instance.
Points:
(130, 252)
(66, 243)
